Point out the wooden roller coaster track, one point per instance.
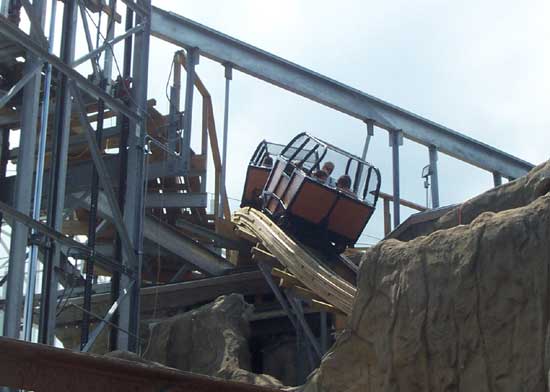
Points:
(304, 265)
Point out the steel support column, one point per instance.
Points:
(434, 177)
(136, 182)
(497, 178)
(174, 114)
(228, 78)
(38, 183)
(56, 192)
(323, 331)
(396, 139)
(92, 218)
(23, 190)
(4, 7)
(4, 158)
(370, 134)
(192, 60)
(123, 123)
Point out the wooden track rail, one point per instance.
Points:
(43, 368)
(302, 264)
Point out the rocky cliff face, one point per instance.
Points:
(210, 340)
(462, 309)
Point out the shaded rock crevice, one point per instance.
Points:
(210, 340)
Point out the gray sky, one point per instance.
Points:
(476, 67)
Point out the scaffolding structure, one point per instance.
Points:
(137, 189)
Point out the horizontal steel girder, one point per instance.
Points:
(292, 77)
(166, 237)
(174, 199)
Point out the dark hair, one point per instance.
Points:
(321, 174)
(344, 182)
(268, 161)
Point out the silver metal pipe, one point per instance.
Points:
(108, 57)
(192, 60)
(497, 179)
(370, 133)
(223, 193)
(23, 192)
(434, 177)
(110, 43)
(4, 7)
(395, 139)
(39, 181)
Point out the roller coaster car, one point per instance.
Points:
(323, 213)
(258, 172)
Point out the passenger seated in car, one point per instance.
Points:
(321, 176)
(328, 167)
(344, 184)
(267, 162)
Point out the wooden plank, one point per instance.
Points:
(261, 255)
(39, 367)
(324, 307)
(305, 266)
(246, 235)
(291, 279)
(403, 202)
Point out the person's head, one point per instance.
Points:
(328, 167)
(344, 182)
(321, 175)
(268, 161)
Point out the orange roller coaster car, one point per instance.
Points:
(315, 191)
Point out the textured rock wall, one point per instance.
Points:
(463, 309)
(210, 340)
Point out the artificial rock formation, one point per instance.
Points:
(462, 309)
(210, 340)
(513, 194)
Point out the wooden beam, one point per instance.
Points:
(403, 202)
(262, 255)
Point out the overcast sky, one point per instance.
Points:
(476, 67)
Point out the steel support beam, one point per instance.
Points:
(105, 321)
(192, 60)
(228, 78)
(265, 269)
(292, 77)
(396, 139)
(497, 178)
(176, 200)
(434, 176)
(58, 175)
(23, 189)
(14, 33)
(184, 247)
(4, 7)
(174, 125)
(38, 185)
(299, 312)
(109, 44)
(124, 124)
(134, 208)
(68, 246)
(103, 174)
(370, 134)
(324, 331)
(29, 75)
(92, 219)
(94, 59)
